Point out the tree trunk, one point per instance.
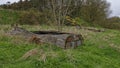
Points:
(63, 40)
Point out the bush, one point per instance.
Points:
(8, 16)
(112, 23)
(77, 21)
(31, 17)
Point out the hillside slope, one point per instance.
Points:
(8, 16)
(100, 50)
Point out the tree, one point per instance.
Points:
(95, 10)
(58, 8)
(8, 3)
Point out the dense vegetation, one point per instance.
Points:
(8, 16)
(53, 12)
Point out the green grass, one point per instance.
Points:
(100, 50)
(8, 16)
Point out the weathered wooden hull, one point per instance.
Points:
(63, 40)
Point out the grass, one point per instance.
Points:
(100, 50)
(8, 16)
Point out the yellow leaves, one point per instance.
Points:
(72, 21)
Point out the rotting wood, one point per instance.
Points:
(35, 39)
(94, 29)
(63, 40)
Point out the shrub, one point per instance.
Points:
(31, 17)
(112, 23)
